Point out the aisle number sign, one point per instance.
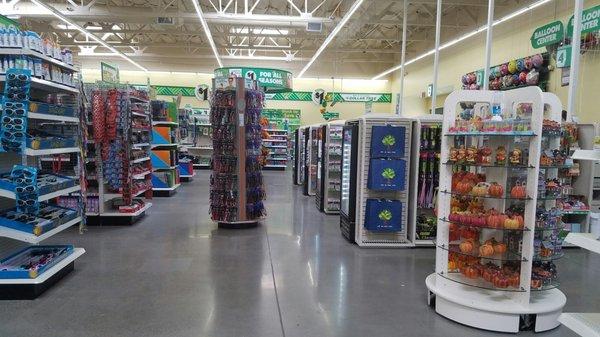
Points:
(563, 56)
(549, 34)
(590, 21)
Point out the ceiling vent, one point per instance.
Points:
(316, 27)
(164, 20)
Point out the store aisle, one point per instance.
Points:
(175, 274)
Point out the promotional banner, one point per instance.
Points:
(109, 73)
(283, 119)
(8, 23)
(273, 80)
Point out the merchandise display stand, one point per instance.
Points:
(425, 178)
(379, 159)
(185, 130)
(299, 156)
(311, 159)
(40, 117)
(330, 168)
(118, 119)
(277, 144)
(236, 189)
(498, 225)
(198, 145)
(165, 149)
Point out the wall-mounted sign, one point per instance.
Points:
(549, 34)
(283, 119)
(109, 73)
(563, 56)
(202, 92)
(590, 21)
(330, 116)
(273, 80)
(318, 96)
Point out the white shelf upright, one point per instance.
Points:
(476, 302)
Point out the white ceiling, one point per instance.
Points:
(274, 29)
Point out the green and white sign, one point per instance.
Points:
(549, 34)
(109, 73)
(8, 23)
(563, 56)
(329, 116)
(284, 119)
(273, 80)
(590, 21)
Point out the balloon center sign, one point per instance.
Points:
(272, 80)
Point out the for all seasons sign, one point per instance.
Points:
(273, 80)
(549, 34)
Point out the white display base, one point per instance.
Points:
(491, 310)
(584, 324)
(588, 241)
(77, 252)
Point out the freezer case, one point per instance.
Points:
(348, 185)
(299, 157)
(321, 136)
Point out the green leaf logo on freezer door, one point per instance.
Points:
(388, 141)
(388, 174)
(385, 216)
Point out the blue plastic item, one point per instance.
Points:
(383, 215)
(388, 141)
(33, 261)
(387, 175)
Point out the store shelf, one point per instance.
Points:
(47, 85)
(198, 147)
(140, 144)
(139, 100)
(524, 229)
(275, 146)
(593, 155)
(187, 175)
(587, 241)
(134, 214)
(164, 168)
(139, 114)
(172, 188)
(50, 117)
(506, 197)
(494, 134)
(478, 282)
(76, 253)
(201, 165)
(155, 146)
(275, 165)
(29, 52)
(164, 123)
(576, 212)
(139, 160)
(584, 324)
(275, 140)
(141, 175)
(508, 256)
(32, 238)
(460, 164)
(31, 152)
(43, 197)
(278, 159)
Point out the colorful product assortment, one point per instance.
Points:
(26, 190)
(224, 197)
(515, 73)
(31, 262)
(493, 118)
(48, 217)
(15, 106)
(429, 160)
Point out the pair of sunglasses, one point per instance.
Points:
(18, 77)
(27, 202)
(19, 95)
(14, 127)
(23, 189)
(21, 181)
(20, 112)
(13, 120)
(28, 172)
(13, 135)
(14, 105)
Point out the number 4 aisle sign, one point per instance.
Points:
(563, 57)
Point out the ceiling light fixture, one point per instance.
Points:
(86, 33)
(331, 36)
(466, 36)
(207, 31)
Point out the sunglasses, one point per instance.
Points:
(24, 171)
(13, 105)
(8, 126)
(14, 120)
(29, 188)
(19, 77)
(24, 180)
(19, 95)
(11, 135)
(27, 202)
(15, 112)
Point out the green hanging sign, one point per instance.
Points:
(273, 80)
(590, 21)
(329, 116)
(109, 73)
(563, 56)
(284, 119)
(8, 23)
(549, 34)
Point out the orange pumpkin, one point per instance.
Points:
(518, 191)
(471, 272)
(466, 246)
(519, 218)
(511, 223)
(480, 190)
(452, 265)
(514, 280)
(499, 248)
(486, 250)
(496, 190)
(464, 187)
(496, 220)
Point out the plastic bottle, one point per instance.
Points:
(497, 106)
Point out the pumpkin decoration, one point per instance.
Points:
(500, 281)
(500, 155)
(469, 233)
(514, 280)
(484, 155)
(518, 191)
(511, 223)
(471, 155)
(486, 250)
(499, 247)
(496, 220)
(480, 190)
(471, 272)
(466, 246)
(464, 187)
(496, 190)
(452, 265)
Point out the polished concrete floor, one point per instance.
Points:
(175, 274)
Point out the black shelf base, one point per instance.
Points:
(265, 168)
(186, 179)
(114, 220)
(238, 225)
(33, 291)
(164, 194)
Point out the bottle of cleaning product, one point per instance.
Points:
(497, 106)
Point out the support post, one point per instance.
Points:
(488, 45)
(575, 51)
(403, 57)
(436, 58)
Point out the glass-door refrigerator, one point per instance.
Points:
(321, 135)
(312, 147)
(299, 156)
(348, 185)
(329, 185)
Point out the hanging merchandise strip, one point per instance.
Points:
(25, 178)
(255, 193)
(15, 106)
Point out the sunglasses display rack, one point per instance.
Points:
(119, 172)
(276, 142)
(198, 144)
(427, 133)
(165, 148)
(40, 118)
(329, 178)
(236, 186)
(498, 217)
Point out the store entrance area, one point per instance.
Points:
(176, 274)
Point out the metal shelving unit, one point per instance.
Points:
(277, 144)
(165, 149)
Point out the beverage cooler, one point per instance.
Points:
(299, 156)
(348, 191)
(311, 160)
(330, 162)
(424, 181)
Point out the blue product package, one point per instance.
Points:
(387, 141)
(387, 175)
(383, 215)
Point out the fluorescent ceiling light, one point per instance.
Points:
(207, 31)
(260, 31)
(466, 36)
(88, 34)
(331, 36)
